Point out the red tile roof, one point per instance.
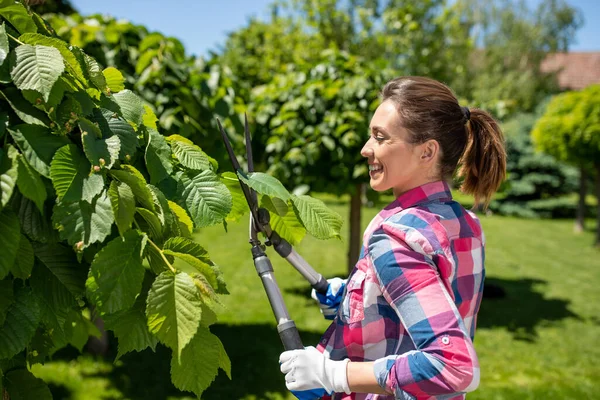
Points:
(575, 70)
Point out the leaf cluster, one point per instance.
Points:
(97, 212)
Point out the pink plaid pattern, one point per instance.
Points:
(412, 299)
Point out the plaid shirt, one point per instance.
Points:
(412, 299)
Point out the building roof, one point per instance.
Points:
(575, 70)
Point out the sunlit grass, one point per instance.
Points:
(537, 342)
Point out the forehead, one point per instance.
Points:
(386, 116)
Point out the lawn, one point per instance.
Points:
(538, 341)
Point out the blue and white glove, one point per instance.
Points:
(310, 375)
(330, 301)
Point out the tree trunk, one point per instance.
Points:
(580, 219)
(598, 205)
(355, 232)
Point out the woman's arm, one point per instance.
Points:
(361, 378)
(444, 360)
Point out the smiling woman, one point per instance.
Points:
(406, 316)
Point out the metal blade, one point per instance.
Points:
(249, 156)
(249, 194)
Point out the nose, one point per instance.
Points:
(367, 151)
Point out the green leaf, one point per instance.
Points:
(24, 110)
(79, 329)
(264, 184)
(145, 60)
(112, 124)
(114, 79)
(190, 155)
(206, 198)
(82, 223)
(24, 261)
(198, 366)
(35, 225)
(6, 298)
(158, 157)
(30, 183)
(37, 68)
(131, 106)
(154, 225)
(173, 310)
(56, 303)
(70, 174)
(185, 222)
(72, 65)
(21, 321)
(9, 241)
(9, 170)
(193, 254)
(318, 220)
(38, 145)
(18, 17)
(4, 48)
(275, 205)
(123, 205)
(178, 138)
(93, 70)
(239, 204)
(62, 262)
(288, 227)
(149, 119)
(137, 183)
(131, 329)
(100, 152)
(117, 273)
(156, 259)
(23, 385)
(54, 297)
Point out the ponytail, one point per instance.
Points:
(483, 163)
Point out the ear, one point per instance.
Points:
(429, 151)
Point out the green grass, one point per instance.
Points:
(538, 342)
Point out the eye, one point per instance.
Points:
(378, 137)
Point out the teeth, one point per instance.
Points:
(375, 167)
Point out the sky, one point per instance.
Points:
(203, 25)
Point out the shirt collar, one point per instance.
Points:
(432, 191)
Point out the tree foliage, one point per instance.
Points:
(535, 180)
(95, 207)
(185, 93)
(513, 39)
(570, 130)
(315, 119)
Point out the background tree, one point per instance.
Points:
(316, 117)
(511, 42)
(424, 39)
(570, 130)
(536, 181)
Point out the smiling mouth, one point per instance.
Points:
(375, 168)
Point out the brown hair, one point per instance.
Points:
(429, 110)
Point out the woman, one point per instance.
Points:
(407, 319)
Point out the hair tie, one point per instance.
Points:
(466, 113)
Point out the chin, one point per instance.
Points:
(378, 186)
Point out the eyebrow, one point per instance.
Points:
(378, 129)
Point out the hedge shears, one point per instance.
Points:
(259, 222)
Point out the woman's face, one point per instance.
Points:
(394, 163)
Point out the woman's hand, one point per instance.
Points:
(330, 301)
(310, 374)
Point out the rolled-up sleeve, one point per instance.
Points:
(444, 362)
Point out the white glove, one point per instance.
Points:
(330, 302)
(309, 369)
